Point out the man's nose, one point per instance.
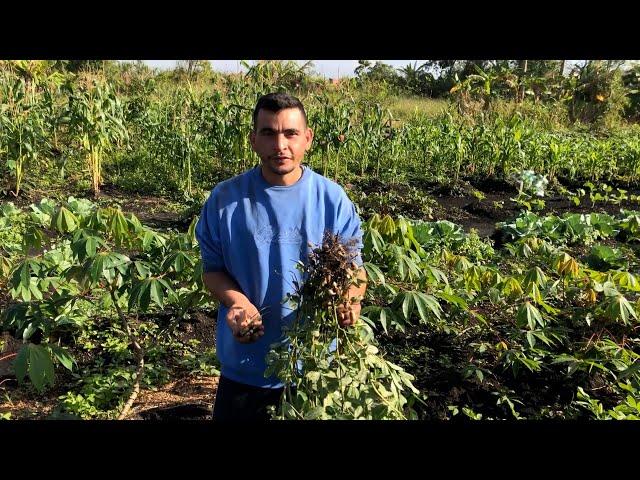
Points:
(281, 142)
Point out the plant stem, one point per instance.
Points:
(138, 353)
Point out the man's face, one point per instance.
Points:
(281, 139)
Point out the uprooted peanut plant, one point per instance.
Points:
(330, 371)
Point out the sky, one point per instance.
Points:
(326, 68)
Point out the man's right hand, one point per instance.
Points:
(245, 322)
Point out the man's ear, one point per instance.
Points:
(309, 136)
(252, 139)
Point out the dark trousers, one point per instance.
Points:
(237, 402)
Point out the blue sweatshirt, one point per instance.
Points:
(256, 232)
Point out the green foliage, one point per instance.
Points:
(557, 306)
(599, 94)
(83, 272)
(175, 135)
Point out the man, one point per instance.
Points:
(252, 231)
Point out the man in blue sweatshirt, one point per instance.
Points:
(252, 230)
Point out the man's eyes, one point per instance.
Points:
(289, 133)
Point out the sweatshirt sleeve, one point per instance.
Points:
(208, 235)
(349, 227)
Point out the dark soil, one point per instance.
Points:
(197, 393)
(151, 210)
(460, 205)
(188, 411)
(438, 360)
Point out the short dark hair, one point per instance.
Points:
(274, 102)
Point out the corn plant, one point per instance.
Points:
(96, 121)
(22, 126)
